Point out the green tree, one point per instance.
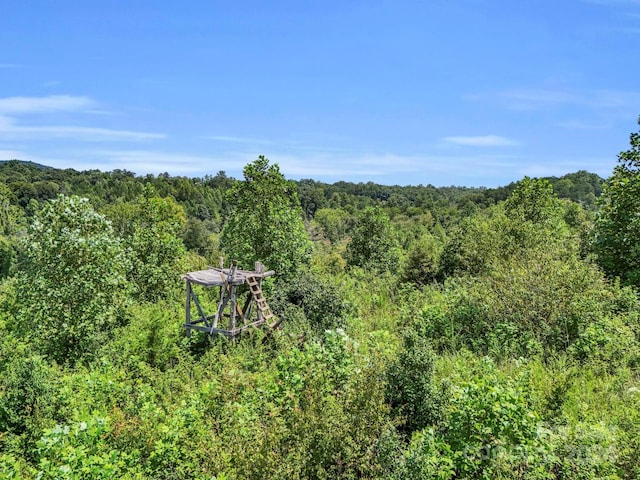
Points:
(150, 227)
(334, 223)
(533, 200)
(411, 390)
(265, 222)
(531, 217)
(423, 260)
(373, 244)
(11, 221)
(618, 223)
(71, 290)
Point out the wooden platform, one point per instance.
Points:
(212, 277)
(230, 318)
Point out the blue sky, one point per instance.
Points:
(458, 92)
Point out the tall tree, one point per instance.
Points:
(265, 223)
(71, 289)
(150, 227)
(373, 245)
(617, 241)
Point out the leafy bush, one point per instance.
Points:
(71, 290)
(373, 243)
(81, 450)
(493, 430)
(321, 302)
(618, 221)
(609, 343)
(411, 391)
(531, 304)
(423, 261)
(150, 228)
(586, 451)
(153, 335)
(27, 395)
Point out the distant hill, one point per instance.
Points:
(26, 163)
(30, 180)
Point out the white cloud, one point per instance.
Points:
(10, 131)
(546, 98)
(150, 161)
(242, 140)
(577, 124)
(481, 141)
(12, 108)
(51, 103)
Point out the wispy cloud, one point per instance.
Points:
(239, 140)
(482, 141)
(14, 108)
(10, 131)
(548, 98)
(157, 161)
(51, 103)
(613, 2)
(580, 124)
(471, 170)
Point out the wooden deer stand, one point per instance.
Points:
(229, 319)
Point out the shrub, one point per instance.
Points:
(373, 244)
(71, 290)
(322, 303)
(411, 391)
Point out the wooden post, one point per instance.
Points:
(259, 269)
(232, 271)
(188, 308)
(232, 320)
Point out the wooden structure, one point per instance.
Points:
(230, 318)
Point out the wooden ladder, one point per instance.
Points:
(256, 293)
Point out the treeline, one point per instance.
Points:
(203, 198)
(428, 332)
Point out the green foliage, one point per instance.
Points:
(321, 302)
(373, 244)
(265, 222)
(11, 215)
(198, 238)
(334, 223)
(528, 305)
(311, 400)
(427, 456)
(151, 227)
(11, 222)
(334, 410)
(609, 342)
(26, 395)
(618, 222)
(80, 450)
(411, 390)
(422, 265)
(532, 217)
(580, 187)
(533, 200)
(7, 256)
(71, 289)
(493, 431)
(152, 336)
(586, 451)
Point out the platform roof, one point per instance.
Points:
(215, 277)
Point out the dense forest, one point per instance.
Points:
(427, 332)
